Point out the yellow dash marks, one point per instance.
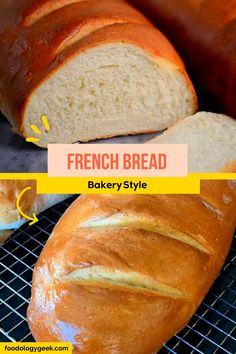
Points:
(32, 140)
(38, 131)
(45, 123)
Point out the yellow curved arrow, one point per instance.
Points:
(33, 219)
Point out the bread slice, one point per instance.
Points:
(96, 69)
(211, 140)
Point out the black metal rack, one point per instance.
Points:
(211, 330)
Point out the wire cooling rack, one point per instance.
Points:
(211, 330)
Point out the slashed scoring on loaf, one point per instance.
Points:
(38, 11)
(118, 278)
(121, 220)
(83, 31)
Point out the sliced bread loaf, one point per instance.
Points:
(211, 140)
(96, 69)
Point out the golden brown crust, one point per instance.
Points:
(31, 54)
(204, 32)
(38, 9)
(117, 317)
(164, 208)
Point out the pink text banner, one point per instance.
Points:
(117, 160)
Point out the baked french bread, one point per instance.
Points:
(204, 33)
(94, 68)
(30, 203)
(211, 140)
(124, 273)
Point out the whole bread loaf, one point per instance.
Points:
(211, 140)
(94, 68)
(124, 273)
(30, 203)
(204, 32)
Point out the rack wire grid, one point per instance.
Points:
(211, 330)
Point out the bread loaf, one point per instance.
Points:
(124, 273)
(94, 68)
(211, 140)
(204, 32)
(30, 203)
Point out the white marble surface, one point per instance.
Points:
(18, 156)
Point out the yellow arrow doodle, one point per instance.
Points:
(37, 130)
(33, 219)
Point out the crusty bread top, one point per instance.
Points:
(38, 9)
(102, 284)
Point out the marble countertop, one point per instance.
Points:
(18, 156)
